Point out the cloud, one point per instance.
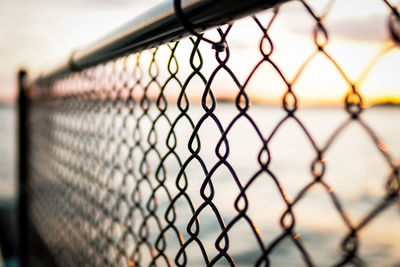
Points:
(372, 28)
(361, 29)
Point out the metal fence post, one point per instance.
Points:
(22, 167)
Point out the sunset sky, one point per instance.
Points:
(40, 34)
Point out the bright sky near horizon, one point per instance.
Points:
(40, 34)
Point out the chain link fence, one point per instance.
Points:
(170, 156)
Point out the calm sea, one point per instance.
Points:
(355, 169)
(7, 151)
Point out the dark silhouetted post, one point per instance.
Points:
(22, 168)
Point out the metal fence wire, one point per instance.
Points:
(165, 157)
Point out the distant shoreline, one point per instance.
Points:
(8, 105)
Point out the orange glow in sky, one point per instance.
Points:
(359, 41)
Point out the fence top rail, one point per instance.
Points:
(156, 26)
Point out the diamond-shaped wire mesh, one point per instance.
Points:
(167, 157)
